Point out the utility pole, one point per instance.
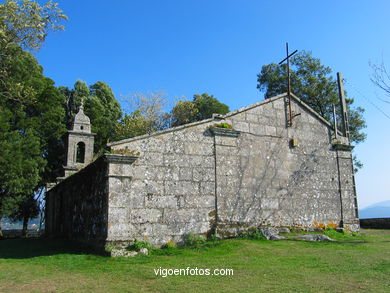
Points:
(288, 82)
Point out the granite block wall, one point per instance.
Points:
(172, 189)
(263, 180)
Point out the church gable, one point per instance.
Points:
(274, 112)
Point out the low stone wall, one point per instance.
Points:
(376, 223)
(76, 208)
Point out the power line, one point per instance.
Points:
(367, 99)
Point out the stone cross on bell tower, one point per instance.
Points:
(80, 143)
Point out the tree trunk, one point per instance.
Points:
(25, 223)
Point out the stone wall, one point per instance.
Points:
(375, 223)
(76, 208)
(263, 180)
(171, 192)
(201, 179)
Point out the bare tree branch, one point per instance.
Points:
(381, 78)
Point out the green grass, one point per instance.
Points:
(352, 264)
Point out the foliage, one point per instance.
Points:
(137, 245)
(146, 116)
(147, 113)
(223, 125)
(253, 233)
(100, 106)
(27, 24)
(30, 127)
(109, 247)
(200, 108)
(208, 105)
(30, 106)
(311, 81)
(194, 240)
(26, 210)
(169, 245)
(184, 112)
(341, 235)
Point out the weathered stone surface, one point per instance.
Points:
(269, 232)
(284, 230)
(314, 237)
(144, 251)
(276, 237)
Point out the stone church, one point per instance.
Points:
(274, 163)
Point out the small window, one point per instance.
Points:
(80, 154)
(81, 127)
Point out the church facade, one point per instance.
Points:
(249, 168)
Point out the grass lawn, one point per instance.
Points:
(352, 264)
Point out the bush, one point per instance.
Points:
(137, 245)
(109, 247)
(169, 245)
(222, 125)
(194, 240)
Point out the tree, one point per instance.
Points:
(26, 210)
(29, 129)
(381, 78)
(27, 24)
(101, 107)
(200, 108)
(311, 81)
(146, 115)
(104, 110)
(207, 105)
(184, 112)
(30, 106)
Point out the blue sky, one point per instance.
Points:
(187, 47)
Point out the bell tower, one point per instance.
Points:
(79, 143)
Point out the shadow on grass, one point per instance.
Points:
(28, 248)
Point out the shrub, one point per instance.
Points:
(253, 233)
(109, 247)
(169, 245)
(222, 125)
(194, 240)
(137, 245)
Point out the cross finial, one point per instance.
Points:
(81, 108)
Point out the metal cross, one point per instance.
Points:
(288, 82)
